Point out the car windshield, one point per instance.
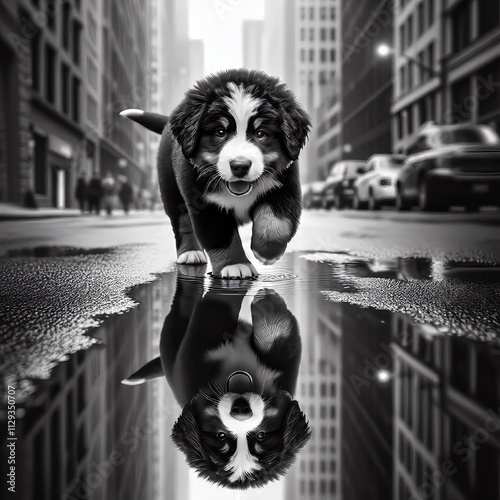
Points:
(355, 168)
(471, 135)
(391, 163)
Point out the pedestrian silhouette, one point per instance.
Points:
(108, 192)
(81, 192)
(94, 194)
(126, 195)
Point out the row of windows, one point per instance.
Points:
(412, 74)
(327, 125)
(322, 466)
(463, 16)
(323, 13)
(324, 55)
(323, 412)
(332, 487)
(323, 389)
(328, 146)
(424, 19)
(323, 34)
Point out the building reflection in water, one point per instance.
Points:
(398, 410)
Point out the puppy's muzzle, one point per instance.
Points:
(240, 166)
(240, 409)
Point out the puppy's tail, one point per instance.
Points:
(152, 121)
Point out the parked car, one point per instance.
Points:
(339, 185)
(377, 186)
(312, 194)
(451, 165)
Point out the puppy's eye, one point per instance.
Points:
(220, 132)
(261, 435)
(261, 134)
(221, 436)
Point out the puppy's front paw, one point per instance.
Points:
(239, 271)
(193, 257)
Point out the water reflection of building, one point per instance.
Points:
(82, 420)
(446, 400)
(317, 472)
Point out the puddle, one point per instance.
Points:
(399, 379)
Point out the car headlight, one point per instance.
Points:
(345, 183)
(385, 182)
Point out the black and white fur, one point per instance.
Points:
(206, 338)
(228, 156)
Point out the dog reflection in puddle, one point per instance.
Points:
(232, 360)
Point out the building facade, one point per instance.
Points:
(317, 69)
(366, 80)
(457, 69)
(253, 31)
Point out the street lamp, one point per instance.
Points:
(384, 50)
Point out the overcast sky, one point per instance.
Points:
(219, 24)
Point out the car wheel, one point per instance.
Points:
(402, 204)
(428, 199)
(357, 204)
(373, 204)
(339, 202)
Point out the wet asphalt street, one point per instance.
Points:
(399, 316)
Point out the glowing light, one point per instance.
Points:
(383, 376)
(383, 50)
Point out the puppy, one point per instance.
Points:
(228, 156)
(232, 362)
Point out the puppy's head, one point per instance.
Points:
(239, 128)
(241, 440)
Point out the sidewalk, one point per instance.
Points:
(14, 212)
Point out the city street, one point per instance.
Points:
(359, 275)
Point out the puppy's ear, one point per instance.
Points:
(186, 436)
(296, 125)
(297, 431)
(185, 122)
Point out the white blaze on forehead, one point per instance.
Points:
(242, 462)
(242, 106)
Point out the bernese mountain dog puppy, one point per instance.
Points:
(228, 156)
(232, 361)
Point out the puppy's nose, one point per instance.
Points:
(240, 410)
(240, 166)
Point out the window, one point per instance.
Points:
(461, 95)
(311, 13)
(302, 13)
(489, 16)
(302, 55)
(488, 97)
(50, 74)
(40, 163)
(420, 19)
(430, 57)
(332, 55)
(323, 13)
(332, 13)
(51, 9)
(302, 34)
(430, 12)
(76, 99)
(461, 26)
(323, 34)
(410, 75)
(402, 79)
(35, 61)
(323, 55)
(322, 77)
(66, 24)
(332, 34)
(311, 34)
(311, 55)
(323, 412)
(410, 119)
(77, 28)
(332, 412)
(332, 390)
(323, 390)
(409, 31)
(65, 101)
(402, 39)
